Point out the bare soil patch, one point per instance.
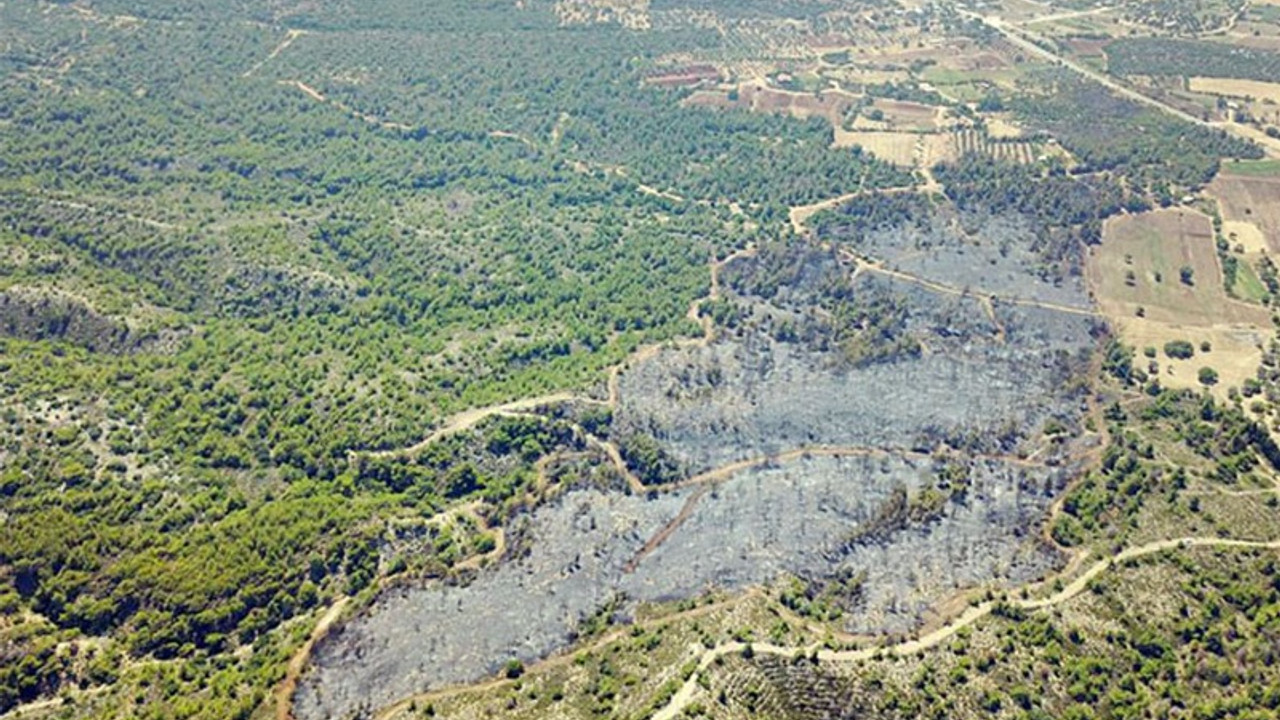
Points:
(1139, 269)
(895, 147)
(756, 97)
(906, 115)
(1246, 235)
(1236, 88)
(1252, 200)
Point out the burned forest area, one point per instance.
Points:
(643, 359)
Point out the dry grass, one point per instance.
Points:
(864, 123)
(897, 148)
(938, 148)
(848, 75)
(1246, 235)
(1001, 128)
(631, 14)
(972, 61)
(1253, 201)
(1236, 88)
(904, 115)
(1138, 266)
(830, 105)
(1235, 354)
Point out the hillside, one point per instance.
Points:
(637, 358)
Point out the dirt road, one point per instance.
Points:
(970, 616)
(298, 663)
(877, 266)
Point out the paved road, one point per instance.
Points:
(1023, 39)
(1027, 40)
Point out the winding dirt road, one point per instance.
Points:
(298, 663)
(970, 616)
(877, 266)
(468, 419)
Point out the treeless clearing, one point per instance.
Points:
(756, 97)
(938, 148)
(1236, 88)
(968, 62)
(1249, 200)
(1001, 128)
(1139, 266)
(1236, 352)
(1259, 42)
(910, 115)
(859, 76)
(1245, 234)
(897, 148)
(630, 14)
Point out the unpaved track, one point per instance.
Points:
(877, 266)
(366, 117)
(284, 44)
(565, 657)
(298, 663)
(48, 705)
(704, 481)
(970, 616)
(52, 199)
(799, 214)
(1068, 15)
(310, 91)
(470, 418)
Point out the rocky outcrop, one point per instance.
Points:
(36, 314)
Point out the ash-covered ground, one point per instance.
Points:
(925, 413)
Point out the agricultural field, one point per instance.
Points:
(900, 148)
(1264, 91)
(1001, 148)
(830, 105)
(906, 115)
(1249, 228)
(1157, 276)
(1248, 195)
